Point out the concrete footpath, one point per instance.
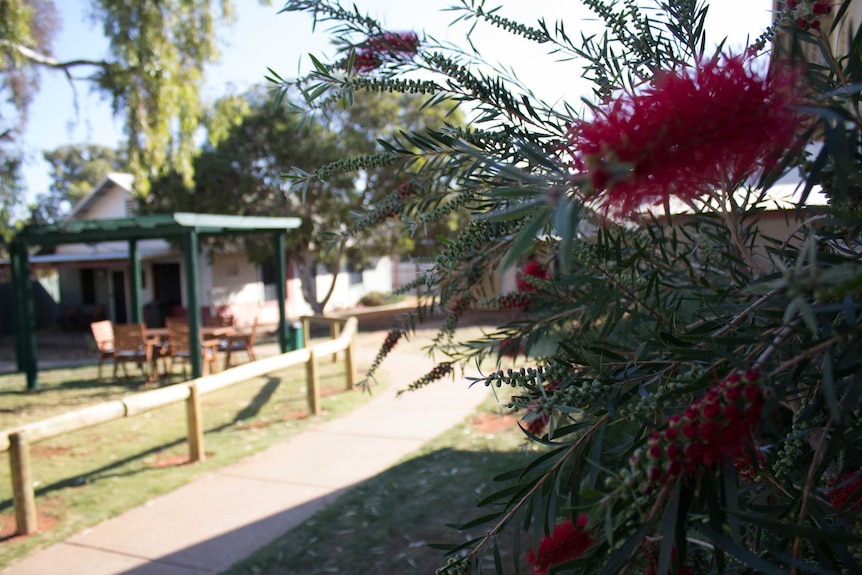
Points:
(224, 516)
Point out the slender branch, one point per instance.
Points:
(741, 315)
(805, 354)
(783, 334)
(51, 62)
(633, 296)
(809, 482)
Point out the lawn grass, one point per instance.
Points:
(88, 476)
(384, 526)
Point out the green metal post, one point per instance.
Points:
(25, 331)
(15, 267)
(281, 287)
(190, 247)
(135, 282)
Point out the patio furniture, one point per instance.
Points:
(239, 342)
(131, 345)
(103, 333)
(178, 347)
(223, 318)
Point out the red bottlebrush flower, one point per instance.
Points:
(709, 432)
(568, 541)
(674, 451)
(821, 7)
(531, 269)
(509, 348)
(391, 45)
(689, 133)
(848, 495)
(537, 425)
(732, 413)
(711, 410)
(515, 300)
(746, 467)
(366, 61)
(732, 393)
(689, 430)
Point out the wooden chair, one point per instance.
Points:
(178, 347)
(131, 345)
(240, 342)
(103, 333)
(219, 320)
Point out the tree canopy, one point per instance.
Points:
(253, 144)
(153, 77)
(75, 171)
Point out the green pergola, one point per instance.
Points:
(185, 227)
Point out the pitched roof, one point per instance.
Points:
(113, 179)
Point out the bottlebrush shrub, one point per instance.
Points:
(693, 382)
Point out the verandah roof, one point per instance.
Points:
(149, 227)
(184, 226)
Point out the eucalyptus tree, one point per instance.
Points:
(152, 75)
(257, 149)
(75, 171)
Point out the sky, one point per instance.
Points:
(261, 38)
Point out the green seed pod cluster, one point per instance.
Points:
(459, 73)
(373, 84)
(514, 27)
(788, 454)
(477, 234)
(455, 566)
(444, 209)
(367, 162)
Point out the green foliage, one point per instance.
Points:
(153, 76)
(75, 171)
(693, 376)
(253, 143)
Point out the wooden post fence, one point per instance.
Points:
(17, 441)
(23, 497)
(194, 420)
(312, 384)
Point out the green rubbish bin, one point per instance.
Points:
(294, 336)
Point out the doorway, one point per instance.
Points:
(118, 284)
(167, 289)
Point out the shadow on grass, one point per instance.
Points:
(385, 525)
(250, 411)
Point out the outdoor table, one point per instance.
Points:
(227, 333)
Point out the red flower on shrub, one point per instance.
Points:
(720, 424)
(391, 45)
(568, 541)
(690, 132)
(531, 269)
(847, 496)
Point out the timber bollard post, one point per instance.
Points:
(311, 384)
(334, 329)
(306, 331)
(348, 365)
(195, 425)
(23, 497)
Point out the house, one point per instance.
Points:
(94, 278)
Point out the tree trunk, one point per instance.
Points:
(307, 266)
